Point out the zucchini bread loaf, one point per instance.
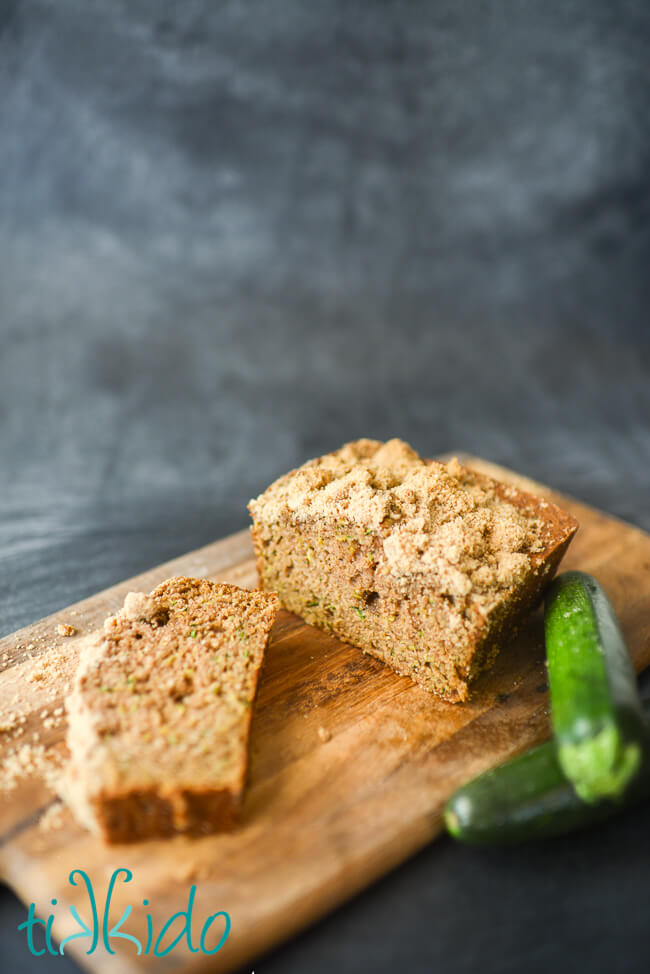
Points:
(428, 566)
(160, 710)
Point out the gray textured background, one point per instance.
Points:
(234, 235)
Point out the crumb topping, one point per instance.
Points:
(437, 521)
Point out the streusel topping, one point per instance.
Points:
(436, 520)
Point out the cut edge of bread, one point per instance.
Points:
(121, 813)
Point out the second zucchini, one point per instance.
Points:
(530, 798)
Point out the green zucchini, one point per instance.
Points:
(530, 798)
(596, 711)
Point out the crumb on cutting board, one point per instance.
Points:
(24, 723)
(64, 629)
(30, 761)
(52, 817)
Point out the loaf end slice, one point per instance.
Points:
(160, 711)
(427, 566)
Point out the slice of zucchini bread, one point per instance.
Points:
(428, 566)
(160, 710)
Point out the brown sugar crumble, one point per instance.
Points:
(425, 565)
(52, 818)
(160, 711)
(25, 760)
(63, 629)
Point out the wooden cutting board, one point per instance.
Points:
(350, 763)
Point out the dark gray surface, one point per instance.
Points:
(234, 235)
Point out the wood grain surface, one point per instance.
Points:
(350, 763)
